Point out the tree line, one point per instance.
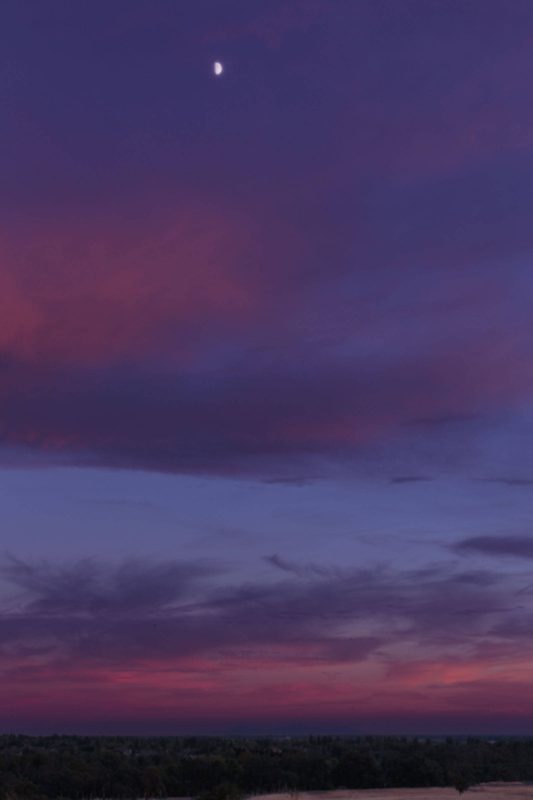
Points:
(213, 768)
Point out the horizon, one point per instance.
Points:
(266, 385)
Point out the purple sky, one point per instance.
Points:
(266, 376)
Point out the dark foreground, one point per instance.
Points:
(39, 768)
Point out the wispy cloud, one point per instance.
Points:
(400, 479)
(519, 482)
(510, 546)
(154, 638)
(136, 609)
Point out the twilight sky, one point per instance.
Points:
(266, 375)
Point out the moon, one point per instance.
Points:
(218, 68)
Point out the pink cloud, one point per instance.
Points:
(91, 291)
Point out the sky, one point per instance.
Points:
(266, 375)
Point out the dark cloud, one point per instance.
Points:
(411, 479)
(275, 419)
(524, 482)
(137, 612)
(512, 546)
(90, 588)
(299, 569)
(280, 563)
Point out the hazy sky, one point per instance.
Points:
(266, 375)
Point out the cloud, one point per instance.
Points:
(274, 419)
(272, 27)
(138, 290)
(523, 482)
(137, 612)
(155, 639)
(446, 419)
(178, 610)
(90, 588)
(299, 569)
(280, 563)
(400, 479)
(511, 546)
(325, 307)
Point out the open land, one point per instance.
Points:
(485, 791)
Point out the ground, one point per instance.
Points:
(486, 791)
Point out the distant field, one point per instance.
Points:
(486, 791)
